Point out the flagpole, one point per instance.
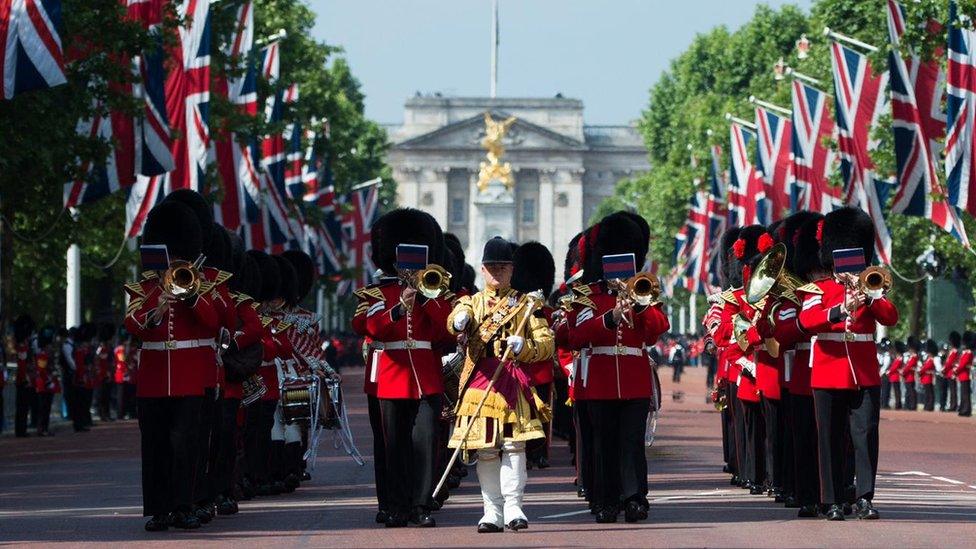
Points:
(494, 49)
(365, 184)
(770, 106)
(848, 40)
(280, 35)
(72, 308)
(790, 71)
(740, 121)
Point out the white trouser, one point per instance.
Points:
(502, 476)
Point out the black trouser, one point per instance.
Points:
(885, 392)
(772, 444)
(785, 457)
(747, 419)
(965, 398)
(562, 415)
(733, 425)
(257, 440)
(410, 437)
(711, 366)
(804, 435)
(539, 448)
(105, 394)
(223, 452)
(928, 397)
(169, 434)
(896, 391)
(129, 391)
(44, 401)
(953, 391)
(841, 412)
(81, 401)
(911, 396)
(379, 452)
(942, 393)
(676, 373)
(584, 446)
(619, 462)
(725, 418)
(205, 443)
(25, 401)
(68, 391)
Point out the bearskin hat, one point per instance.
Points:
(288, 289)
(752, 243)
(534, 269)
(454, 260)
(775, 230)
(731, 266)
(236, 251)
(174, 224)
(467, 281)
(955, 339)
(218, 251)
(931, 347)
(616, 233)
(900, 347)
(914, 344)
(23, 327)
(969, 339)
(641, 222)
(247, 279)
(200, 207)
(46, 336)
(572, 263)
(846, 228)
(806, 247)
(269, 274)
(405, 226)
(106, 331)
(304, 271)
(788, 232)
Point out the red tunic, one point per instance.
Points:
(25, 364)
(837, 363)
(948, 367)
(927, 373)
(46, 382)
(894, 371)
(608, 376)
(172, 372)
(84, 377)
(407, 372)
(908, 369)
(795, 341)
(121, 368)
(247, 332)
(962, 365)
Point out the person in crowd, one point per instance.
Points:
(927, 373)
(25, 343)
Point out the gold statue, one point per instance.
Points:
(495, 169)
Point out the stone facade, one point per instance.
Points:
(562, 168)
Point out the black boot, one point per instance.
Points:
(517, 524)
(185, 520)
(808, 511)
(421, 517)
(866, 511)
(835, 512)
(158, 523)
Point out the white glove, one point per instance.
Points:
(461, 321)
(516, 343)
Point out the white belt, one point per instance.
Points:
(803, 346)
(268, 363)
(173, 345)
(406, 344)
(618, 350)
(847, 337)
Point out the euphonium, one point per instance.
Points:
(182, 279)
(771, 277)
(432, 281)
(874, 281)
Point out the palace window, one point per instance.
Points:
(458, 206)
(528, 211)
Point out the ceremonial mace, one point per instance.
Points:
(506, 356)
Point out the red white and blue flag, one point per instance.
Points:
(746, 197)
(717, 216)
(31, 56)
(773, 136)
(859, 98)
(961, 107)
(919, 125)
(357, 221)
(100, 179)
(812, 160)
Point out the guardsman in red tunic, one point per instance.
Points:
(927, 374)
(84, 379)
(963, 373)
(845, 377)
(104, 380)
(404, 327)
(25, 399)
(948, 400)
(177, 351)
(894, 373)
(725, 307)
(612, 331)
(803, 260)
(908, 371)
(535, 271)
(47, 383)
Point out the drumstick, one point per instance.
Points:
(506, 356)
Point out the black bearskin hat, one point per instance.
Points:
(304, 270)
(616, 233)
(731, 267)
(846, 228)
(175, 225)
(955, 339)
(247, 279)
(405, 226)
(572, 263)
(236, 252)
(931, 347)
(969, 339)
(269, 273)
(454, 260)
(900, 347)
(23, 328)
(467, 281)
(106, 331)
(788, 232)
(534, 270)
(288, 289)
(914, 344)
(218, 251)
(806, 257)
(775, 230)
(201, 208)
(752, 243)
(642, 223)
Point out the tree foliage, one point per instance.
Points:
(717, 74)
(42, 149)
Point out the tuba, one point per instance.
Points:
(874, 281)
(771, 278)
(182, 279)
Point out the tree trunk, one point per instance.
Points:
(915, 320)
(6, 265)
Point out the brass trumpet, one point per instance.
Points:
(431, 281)
(642, 288)
(874, 281)
(182, 279)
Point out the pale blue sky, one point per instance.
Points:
(606, 52)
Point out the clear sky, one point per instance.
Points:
(606, 52)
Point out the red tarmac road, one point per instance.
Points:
(84, 489)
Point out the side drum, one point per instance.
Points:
(299, 399)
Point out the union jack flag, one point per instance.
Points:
(294, 162)
(717, 216)
(961, 102)
(318, 178)
(919, 125)
(357, 223)
(746, 198)
(31, 57)
(773, 133)
(812, 160)
(859, 100)
(153, 142)
(114, 172)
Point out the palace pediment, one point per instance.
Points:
(468, 133)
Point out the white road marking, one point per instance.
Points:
(569, 514)
(949, 480)
(916, 473)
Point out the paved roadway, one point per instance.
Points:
(81, 489)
